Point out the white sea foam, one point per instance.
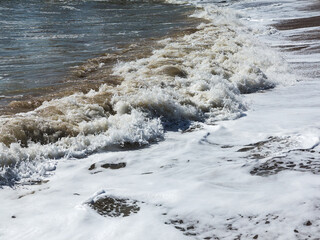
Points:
(70, 8)
(218, 182)
(196, 77)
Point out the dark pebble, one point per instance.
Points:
(114, 165)
(93, 166)
(308, 223)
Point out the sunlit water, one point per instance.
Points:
(41, 40)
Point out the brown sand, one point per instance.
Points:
(298, 23)
(304, 42)
(301, 23)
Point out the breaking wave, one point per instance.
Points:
(196, 77)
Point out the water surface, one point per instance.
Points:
(41, 40)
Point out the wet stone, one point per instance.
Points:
(35, 182)
(93, 166)
(188, 228)
(263, 149)
(146, 173)
(115, 207)
(294, 160)
(245, 149)
(30, 193)
(193, 128)
(114, 165)
(227, 146)
(308, 223)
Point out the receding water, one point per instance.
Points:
(41, 39)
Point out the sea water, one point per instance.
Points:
(194, 77)
(41, 40)
(214, 135)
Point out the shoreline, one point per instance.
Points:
(255, 177)
(198, 76)
(302, 35)
(91, 74)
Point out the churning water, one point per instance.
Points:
(237, 161)
(41, 40)
(196, 76)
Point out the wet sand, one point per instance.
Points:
(303, 23)
(303, 39)
(299, 23)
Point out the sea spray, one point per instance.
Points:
(196, 77)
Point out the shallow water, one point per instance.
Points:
(41, 40)
(255, 177)
(199, 76)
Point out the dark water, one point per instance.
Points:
(41, 39)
